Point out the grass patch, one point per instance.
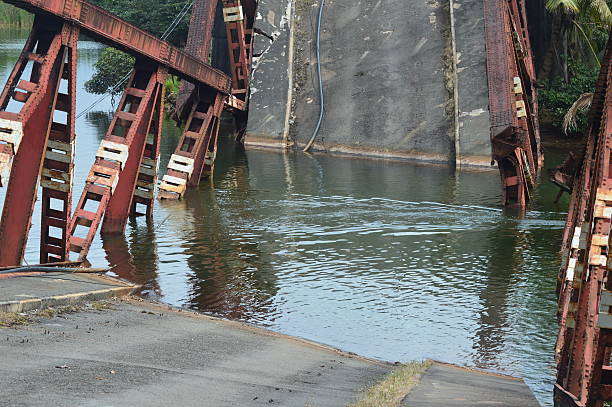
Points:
(101, 305)
(391, 390)
(55, 311)
(13, 319)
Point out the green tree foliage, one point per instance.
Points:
(579, 31)
(154, 16)
(559, 96)
(14, 17)
(570, 67)
(110, 68)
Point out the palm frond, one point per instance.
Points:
(583, 103)
(568, 6)
(601, 11)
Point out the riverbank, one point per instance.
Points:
(138, 353)
(132, 352)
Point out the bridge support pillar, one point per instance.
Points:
(112, 182)
(195, 154)
(34, 142)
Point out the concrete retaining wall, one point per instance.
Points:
(272, 64)
(399, 81)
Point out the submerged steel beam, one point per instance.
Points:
(195, 154)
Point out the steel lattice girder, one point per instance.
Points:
(197, 149)
(112, 30)
(198, 41)
(58, 166)
(125, 172)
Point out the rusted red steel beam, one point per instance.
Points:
(239, 17)
(198, 42)
(514, 134)
(121, 202)
(195, 154)
(584, 376)
(576, 230)
(239, 38)
(144, 193)
(112, 180)
(24, 133)
(115, 32)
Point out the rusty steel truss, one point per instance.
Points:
(513, 107)
(584, 343)
(37, 124)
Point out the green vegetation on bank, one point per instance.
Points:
(569, 70)
(394, 387)
(14, 17)
(14, 320)
(558, 96)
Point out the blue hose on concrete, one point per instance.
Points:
(321, 96)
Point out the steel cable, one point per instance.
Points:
(122, 81)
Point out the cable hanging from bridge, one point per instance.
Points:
(321, 95)
(124, 79)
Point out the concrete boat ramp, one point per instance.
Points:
(134, 353)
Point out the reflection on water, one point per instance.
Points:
(390, 260)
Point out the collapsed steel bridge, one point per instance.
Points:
(124, 175)
(584, 344)
(37, 123)
(37, 149)
(513, 99)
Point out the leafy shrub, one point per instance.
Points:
(110, 68)
(557, 96)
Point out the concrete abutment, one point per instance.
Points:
(401, 80)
